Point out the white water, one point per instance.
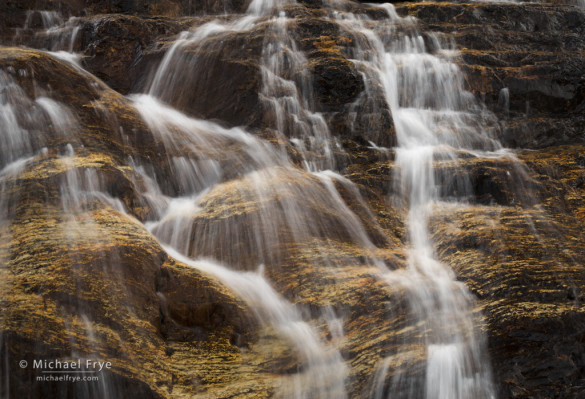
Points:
(289, 199)
(174, 71)
(324, 370)
(432, 114)
(289, 101)
(49, 19)
(15, 141)
(53, 33)
(204, 154)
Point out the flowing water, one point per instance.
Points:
(216, 170)
(434, 116)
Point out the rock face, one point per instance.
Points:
(82, 184)
(525, 63)
(158, 303)
(112, 44)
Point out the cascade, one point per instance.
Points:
(256, 208)
(435, 118)
(199, 161)
(456, 366)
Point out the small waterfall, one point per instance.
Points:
(258, 173)
(15, 140)
(324, 370)
(282, 206)
(175, 74)
(282, 63)
(238, 204)
(203, 153)
(49, 31)
(433, 116)
(42, 19)
(504, 100)
(29, 123)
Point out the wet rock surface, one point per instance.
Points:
(139, 305)
(173, 331)
(524, 60)
(113, 45)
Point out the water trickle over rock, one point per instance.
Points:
(282, 199)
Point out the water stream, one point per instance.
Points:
(285, 202)
(433, 115)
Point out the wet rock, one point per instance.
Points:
(83, 279)
(14, 13)
(228, 79)
(94, 282)
(125, 51)
(112, 45)
(19, 14)
(97, 271)
(192, 306)
(339, 86)
(532, 51)
(241, 201)
(217, 79)
(167, 8)
(335, 81)
(102, 120)
(530, 291)
(499, 181)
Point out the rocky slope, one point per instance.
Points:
(82, 275)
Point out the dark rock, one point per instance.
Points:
(167, 8)
(335, 80)
(339, 85)
(112, 45)
(189, 301)
(216, 79)
(531, 50)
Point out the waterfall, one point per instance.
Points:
(290, 102)
(50, 32)
(434, 117)
(325, 369)
(247, 205)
